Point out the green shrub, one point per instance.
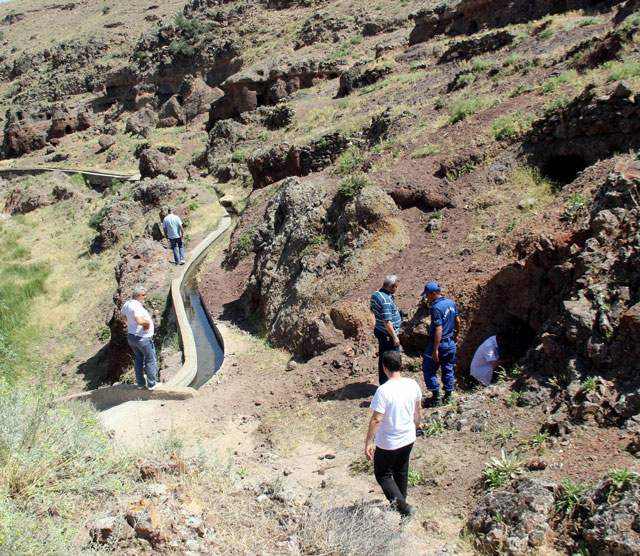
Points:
(481, 65)
(462, 108)
(465, 79)
(511, 127)
(503, 470)
(512, 398)
(244, 245)
(434, 427)
(589, 21)
(575, 207)
(620, 480)
(416, 477)
(189, 28)
(349, 161)
(360, 465)
(181, 48)
(239, 156)
(570, 497)
(352, 185)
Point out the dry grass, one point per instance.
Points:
(497, 208)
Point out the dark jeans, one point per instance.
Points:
(447, 360)
(385, 343)
(178, 249)
(391, 468)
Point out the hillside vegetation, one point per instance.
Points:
(491, 146)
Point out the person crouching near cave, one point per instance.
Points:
(392, 431)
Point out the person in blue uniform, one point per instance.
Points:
(388, 321)
(441, 350)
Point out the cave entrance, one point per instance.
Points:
(564, 169)
(519, 335)
(67, 129)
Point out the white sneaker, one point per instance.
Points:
(141, 387)
(182, 262)
(156, 385)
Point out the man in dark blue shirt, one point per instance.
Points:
(388, 320)
(441, 350)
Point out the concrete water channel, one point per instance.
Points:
(203, 346)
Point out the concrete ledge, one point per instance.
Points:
(94, 178)
(186, 375)
(103, 398)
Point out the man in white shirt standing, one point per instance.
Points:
(488, 357)
(140, 330)
(173, 230)
(395, 419)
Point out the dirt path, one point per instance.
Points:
(262, 419)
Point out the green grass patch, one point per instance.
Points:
(624, 70)
(551, 84)
(349, 161)
(425, 150)
(511, 127)
(20, 283)
(461, 109)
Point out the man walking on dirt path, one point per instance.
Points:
(441, 350)
(388, 320)
(140, 330)
(173, 230)
(393, 425)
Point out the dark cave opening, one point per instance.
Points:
(564, 169)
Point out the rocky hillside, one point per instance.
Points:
(489, 145)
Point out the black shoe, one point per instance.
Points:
(433, 401)
(446, 399)
(407, 512)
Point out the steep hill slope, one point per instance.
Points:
(489, 145)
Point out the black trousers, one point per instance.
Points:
(385, 343)
(391, 468)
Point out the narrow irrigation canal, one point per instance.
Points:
(208, 348)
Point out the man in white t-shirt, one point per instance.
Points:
(487, 358)
(395, 419)
(174, 231)
(140, 330)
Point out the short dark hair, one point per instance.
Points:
(392, 360)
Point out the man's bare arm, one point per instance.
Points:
(374, 425)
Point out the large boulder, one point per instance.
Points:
(171, 113)
(115, 221)
(197, 97)
(142, 262)
(359, 76)
(153, 193)
(154, 163)
(614, 527)
(141, 123)
(514, 520)
(20, 202)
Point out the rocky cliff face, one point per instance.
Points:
(465, 17)
(313, 245)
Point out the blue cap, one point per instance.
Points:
(430, 287)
